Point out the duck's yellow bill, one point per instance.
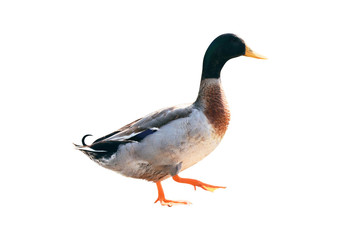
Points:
(251, 53)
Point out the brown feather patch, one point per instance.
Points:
(216, 108)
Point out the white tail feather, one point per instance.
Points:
(88, 149)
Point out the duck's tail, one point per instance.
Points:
(99, 151)
(86, 148)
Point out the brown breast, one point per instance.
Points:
(215, 106)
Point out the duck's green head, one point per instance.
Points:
(222, 49)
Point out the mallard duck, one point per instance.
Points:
(168, 141)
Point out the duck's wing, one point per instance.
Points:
(142, 127)
(136, 131)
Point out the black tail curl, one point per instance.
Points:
(83, 139)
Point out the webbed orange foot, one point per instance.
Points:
(196, 183)
(165, 202)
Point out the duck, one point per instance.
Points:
(164, 143)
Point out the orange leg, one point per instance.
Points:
(163, 201)
(196, 183)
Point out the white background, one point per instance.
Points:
(290, 159)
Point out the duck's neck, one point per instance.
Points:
(211, 100)
(212, 65)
